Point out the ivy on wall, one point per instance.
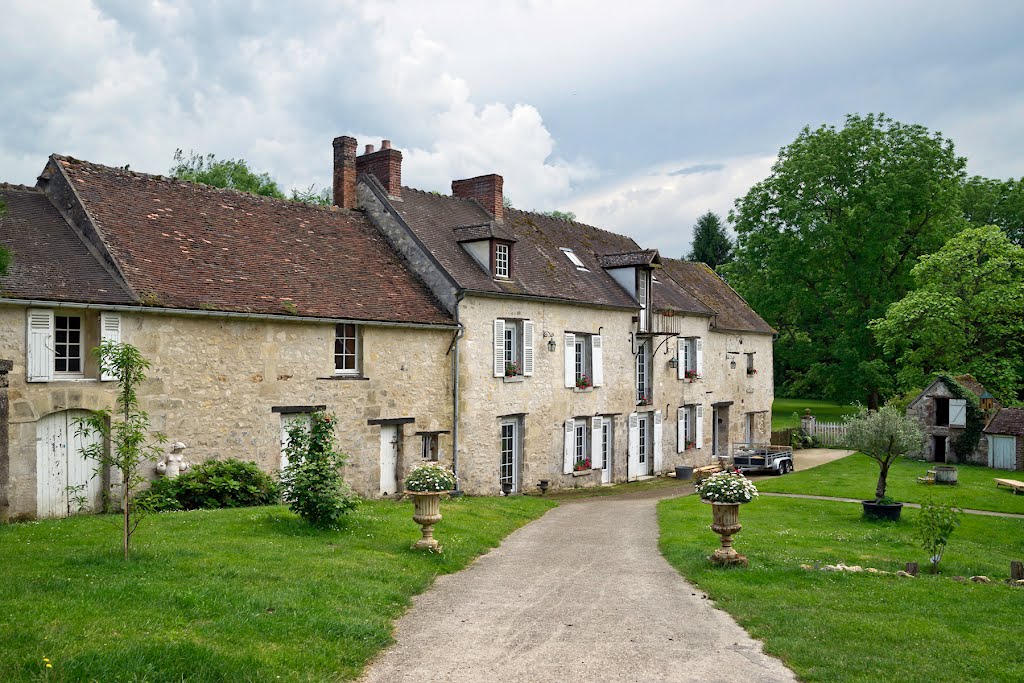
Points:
(967, 442)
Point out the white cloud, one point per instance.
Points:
(659, 206)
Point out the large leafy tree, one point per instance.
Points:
(230, 173)
(965, 316)
(711, 243)
(827, 242)
(996, 202)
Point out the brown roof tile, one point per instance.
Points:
(644, 257)
(192, 246)
(50, 262)
(731, 311)
(1007, 421)
(539, 268)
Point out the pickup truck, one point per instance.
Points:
(762, 457)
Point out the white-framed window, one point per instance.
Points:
(691, 357)
(513, 347)
(346, 349)
(606, 443)
(643, 374)
(686, 424)
(58, 341)
(509, 453)
(574, 259)
(642, 296)
(68, 359)
(429, 450)
(584, 360)
(581, 361)
(502, 260)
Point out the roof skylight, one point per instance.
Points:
(574, 259)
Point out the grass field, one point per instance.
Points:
(246, 594)
(855, 476)
(859, 627)
(783, 410)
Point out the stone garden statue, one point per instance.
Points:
(174, 463)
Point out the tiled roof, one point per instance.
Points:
(50, 262)
(731, 311)
(1007, 421)
(971, 384)
(644, 257)
(668, 295)
(540, 268)
(191, 246)
(470, 233)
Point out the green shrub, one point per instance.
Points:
(213, 484)
(935, 524)
(312, 482)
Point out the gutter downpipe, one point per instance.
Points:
(455, 399)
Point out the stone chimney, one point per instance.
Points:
(345, 172)
(486, 189)
(385, 164)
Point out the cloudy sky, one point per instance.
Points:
(636, 116)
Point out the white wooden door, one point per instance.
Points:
(60, 464)
(388, 459)
(606, 450)
(644, 446)
(1002, 452)
(287, 420)
(508, 461)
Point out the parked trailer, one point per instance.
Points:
(762, 457)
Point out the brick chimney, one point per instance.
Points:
(345, 172)
(486, 189)
(385, 164)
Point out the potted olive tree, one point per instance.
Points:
(883, 435)
(426, 484)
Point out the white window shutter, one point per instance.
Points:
(680, 357)
(597, 359)
(658, 460)
(681, 429)
(596, 456)
(634, 446)
(570, 359)
(528, 348)
(569, 447)
(110, 330)
(39, 364)
(499, 347)
(698, 429)
(957, 412)
(699, 344)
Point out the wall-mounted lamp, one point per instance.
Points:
(673, 362)
(551, 345)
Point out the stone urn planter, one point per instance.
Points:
(684, 472)
(889, 511)
(726, 523)
(427, 514)
(945, 474)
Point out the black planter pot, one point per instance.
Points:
(875, 510)
(506, 489)
(683, 472)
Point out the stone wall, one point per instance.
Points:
(542, 399)
(214, 384)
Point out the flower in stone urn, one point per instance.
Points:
(726, 491)
(426, 483)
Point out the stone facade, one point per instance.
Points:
(220, 384)
(924, 409)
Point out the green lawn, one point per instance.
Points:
(244, 594)
(783, 410)
(858, 627)
(855, 476)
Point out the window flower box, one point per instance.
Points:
(751, 372)
(584, 382)
(581, 465)
(512, 369)
(691, 376)
(644, 398)
(583, 473)
(510, 379)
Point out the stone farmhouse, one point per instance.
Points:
(511, 345)
(951, 406)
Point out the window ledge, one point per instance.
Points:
(691, 380)
(509, 379)
(69, 379)
(344, 377)
(583, 473)
(577, 390)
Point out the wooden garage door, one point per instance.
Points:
(60, 464)
(1002, 452)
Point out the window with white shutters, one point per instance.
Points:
(39, 365)
(68, 359)
(513, 348)
(110, 331)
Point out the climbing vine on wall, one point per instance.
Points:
(967, 442)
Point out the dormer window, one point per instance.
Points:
(642, 292)
(574, 259)
(501, 260)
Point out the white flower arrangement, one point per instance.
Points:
(727, 487)
(430, 477)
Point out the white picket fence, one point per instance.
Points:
(830, 434)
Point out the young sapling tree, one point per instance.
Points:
(883, 436)
(126, 430)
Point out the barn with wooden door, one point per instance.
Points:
(1005, 436)
(66, 481)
